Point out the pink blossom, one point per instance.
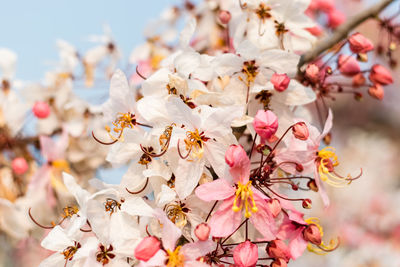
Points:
(229, 214)
(224, 16)
(245, 254)
(278, 249)
(312, 72)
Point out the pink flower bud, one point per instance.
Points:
(19, 166)
(381, 75)
(325, 5)
(335, 18)
(312, 72)
(274, 206)
(280, 82)
(358, 80)
(202, 231)
(279, 263)
(224, 16)
(360, 44)
(376, 91)
(41, 110)
(299, 167)
(278, 249)
(348, 65)
(265, 124)
(316, 30)
(300, 131)
(235, 156)
(312, 234)
(147, 248)
(245, 254)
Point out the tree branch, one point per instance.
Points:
(343, 31)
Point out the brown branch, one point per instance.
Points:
(342, 32)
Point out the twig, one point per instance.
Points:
(343, 31)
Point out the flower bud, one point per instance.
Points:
(312, 185)
(300, 131)
(360, 44)
(279, 263)
(202, 231)
(312, 72)
(358, 80)
(224, 16)
(307, 203)
(278, 249)
(381, 75)
(245, 254)
(41, 110)
(376, 91)
(312, 234)
(316, 30)
(280, 82)
(274, 206)
(299, 167)
(335, 18)
(235, 156)
(348, 65)
(325, 5)
(147, 248)
(265, 124)
(19, 166)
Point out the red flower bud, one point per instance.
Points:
(381, 75)
(19, 166)
(376, 91)
(358, 80)
(312, 234)
(278, 249)
(147, 248)
(202, 231)
(312, 72)
(300, 131)
(41, 110)
(280, 82)
(299, 167)
(360, 44)
(307, 203)
(279, 263)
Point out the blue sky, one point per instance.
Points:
(30, 28)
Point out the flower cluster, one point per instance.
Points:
(225, 137)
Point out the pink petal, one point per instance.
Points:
(263, 220)
(298, 244)
(215, 190)
(192, 251)
(225, 220)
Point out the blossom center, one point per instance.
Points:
(263, 12)
(176, 212)
(70, 251)
(250, 69)
(123, 120)
(244, 196)
(111, 205)
(175, 259)
(194, 143)
(103, 255)
(327, 160)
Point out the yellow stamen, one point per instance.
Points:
(322, 248)
(194, 143)
(326, 157)
(175, 259)
(123, 120)
(246, 198)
